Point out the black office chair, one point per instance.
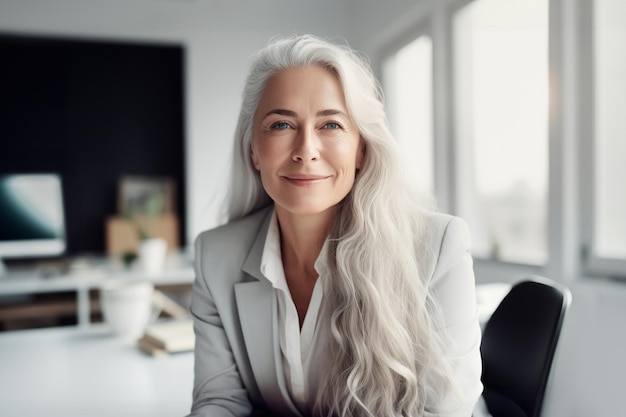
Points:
(518, 345)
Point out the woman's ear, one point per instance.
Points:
(254, 159)
(360, 153)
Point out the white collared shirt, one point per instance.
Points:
(452, 282)
(296, 344)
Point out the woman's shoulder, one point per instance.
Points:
(236, 231)
(437, 224)
(441, 236)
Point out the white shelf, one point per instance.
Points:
(84, 276)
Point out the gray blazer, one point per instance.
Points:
(238, 365)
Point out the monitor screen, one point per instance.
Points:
(31, 216)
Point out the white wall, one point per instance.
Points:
(374, 24)
(220, 37)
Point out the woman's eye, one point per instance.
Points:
(280, 125)
(332, 125)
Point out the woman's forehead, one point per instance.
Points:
(304, 87)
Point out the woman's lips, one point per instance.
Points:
(305, 180)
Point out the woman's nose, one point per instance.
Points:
(306, 146)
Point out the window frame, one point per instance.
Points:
(571, 206)
(421, 28)
(592, 264)
(454, 7)
(432, 24)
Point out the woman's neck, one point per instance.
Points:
(302, 238)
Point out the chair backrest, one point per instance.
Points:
(518, 346)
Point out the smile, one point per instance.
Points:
(305, 180)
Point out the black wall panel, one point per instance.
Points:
(92, 111)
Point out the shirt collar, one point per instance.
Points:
(272, 260)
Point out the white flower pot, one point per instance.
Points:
(128, 307)
(152, 254)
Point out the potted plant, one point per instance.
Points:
(152, 249)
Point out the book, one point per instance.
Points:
(168, 336)
(150, 348)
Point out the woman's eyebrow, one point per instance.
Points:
(282, 112)
(331, 112)
(291, 113)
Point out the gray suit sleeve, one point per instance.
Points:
(218, 389)
(453, 287)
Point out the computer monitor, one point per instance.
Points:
(31, 216)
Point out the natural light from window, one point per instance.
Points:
(407, 77)
(501, 127)
(610, 128)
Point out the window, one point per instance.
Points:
(609, 80)
(604, 198)
(488, 153)
(407, 77)
(500, 72)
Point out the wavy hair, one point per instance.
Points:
(384, 355)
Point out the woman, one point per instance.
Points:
(329, 291)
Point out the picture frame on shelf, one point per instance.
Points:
(135, 193)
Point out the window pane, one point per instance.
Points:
(501, 129)
(408, 89)
(610, 128)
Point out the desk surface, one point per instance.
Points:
(72, 372)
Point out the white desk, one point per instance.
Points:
(178, 270)
(77, 372)
(74, 372)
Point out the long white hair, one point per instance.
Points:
(384, 356)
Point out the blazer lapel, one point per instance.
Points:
(258, 314)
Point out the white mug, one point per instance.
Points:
(128, 307)
(152, 254)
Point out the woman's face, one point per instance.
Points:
(304, 144)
